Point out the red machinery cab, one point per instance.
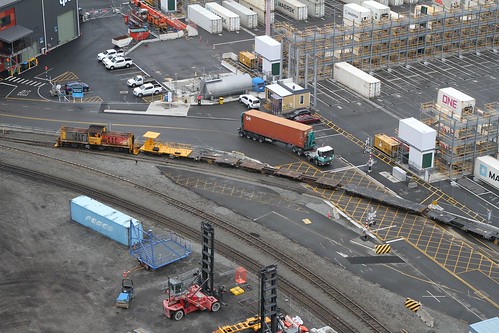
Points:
(182, 301)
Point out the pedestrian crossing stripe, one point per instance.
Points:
(382, 249)
(28, 82)
(412, 304)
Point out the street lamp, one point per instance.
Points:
(176, 83)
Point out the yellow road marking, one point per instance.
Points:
(307, 221)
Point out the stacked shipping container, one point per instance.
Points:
(230, 20)
(258, 6)
(247, 17)
(205, 19)
(316, 8)
(293, 9)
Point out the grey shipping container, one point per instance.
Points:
(260, 13)
(103, 219)
(205, 19)
(230, 20)
(316, 8)
(248, 18)
(292, 8)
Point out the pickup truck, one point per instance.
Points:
(148, 89)
(138, 81)
(111, 58)
(109, 53)
(119, 62)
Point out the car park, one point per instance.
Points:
(109, 53)
(307, 119)
(250, 101)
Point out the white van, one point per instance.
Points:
(250, 101)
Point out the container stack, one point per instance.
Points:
(204, 19)
(316, 8)
(230, 20)
(357, 80)
(293, 9)
(247, 17)
(354, 14)
(259, 7)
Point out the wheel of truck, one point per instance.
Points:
(294, 150)
(248, 136)
(156, 92)
(261, 139)
(140, 95)
(316, 162)
(254, 137)
(111, 68)
(215, 307)
(127, 65)
(241, 134)
(178, 315)
(299, 151)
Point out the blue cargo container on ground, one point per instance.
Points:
(104, 219)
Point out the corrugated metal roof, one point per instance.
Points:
(15, 33)
(104, 210)
(276, 119)
(279, 90)
(487, 326)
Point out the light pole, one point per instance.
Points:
(176, 83)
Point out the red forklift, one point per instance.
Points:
(198, 295)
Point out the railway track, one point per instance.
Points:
(322, 311)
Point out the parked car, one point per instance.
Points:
(69, 86)
(295, 113)
(109, 53)
(119, 62)
(250, 101)
(307, 119)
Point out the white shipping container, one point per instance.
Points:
(447, 4)
(230, 20)
(417, 134)
(353, 13)
(358, 2)
(247, 17)
(316, 8)
(395, 16)
(487, 169)
(205, 19)
(293, 9)
(411, 1)
(417, 159)
(454, 100)
(383, 2)
(165, 3)
(259, 12)
(357, 80)
(395, 2)
(260, 4)
(268, 48)
(379, 12)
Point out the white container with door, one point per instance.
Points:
(395, 2)
(455, 101)
(260, 4)
(230, 20)
(357, 80)
(247, 17)
(316, 8)
(355, 14)
(205, 19)
(379, 12)
(292, 8)
(259, 12)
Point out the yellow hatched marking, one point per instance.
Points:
(307, 221)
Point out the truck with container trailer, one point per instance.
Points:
(230, 20)
(247, 17)
(379, 12)
(205, 19)
(355, 14)
(148, 89)
(293, 9)
(264, 127)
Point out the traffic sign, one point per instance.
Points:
(382, 249)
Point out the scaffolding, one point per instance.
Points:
(413, 37)
(462, 138)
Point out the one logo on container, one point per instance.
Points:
(99, 224)
(63, 2)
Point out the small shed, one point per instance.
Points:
(486, 326)
(285, 96)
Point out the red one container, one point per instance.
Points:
(275, 128)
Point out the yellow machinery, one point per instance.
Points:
(158, 148)
(386, 144)
(250, 323)
(248, 59)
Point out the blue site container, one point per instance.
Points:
(104, 219)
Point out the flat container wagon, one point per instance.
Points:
(247, 17)
(230, 20)
(205, 19)
(260, 4)
(487, 170)
(316, 8)
(357, 80)
(261, 126)
(293, 9)
(260, 13)
(104, 219)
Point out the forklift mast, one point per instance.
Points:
(208, 257)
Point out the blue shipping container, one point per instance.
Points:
(103, 219)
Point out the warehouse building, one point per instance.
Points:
(29, 28)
